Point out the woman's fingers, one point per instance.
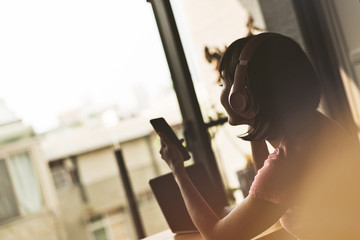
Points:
(167, 147)
(164, 138)
(162, 144)
(169, 152)
(182, 141)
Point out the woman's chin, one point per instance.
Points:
(235, 122)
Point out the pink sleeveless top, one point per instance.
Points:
(274, 182)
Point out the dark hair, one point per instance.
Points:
(280, 80)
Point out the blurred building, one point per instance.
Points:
(28, 201)
(84, 169)
(66, 185)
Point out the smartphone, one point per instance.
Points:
(160, 125)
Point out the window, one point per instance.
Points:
(63, 173)
(8, 207)
(98, 231)
(19, 188)
(204, 42)
(103, 75)
(62, 178)
(100, 234)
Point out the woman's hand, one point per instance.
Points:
(171, 154)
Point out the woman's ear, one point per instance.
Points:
(237, 101)
(240, 104)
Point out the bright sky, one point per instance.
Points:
(56, 54)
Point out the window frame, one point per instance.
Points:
(5, 154)
(11, 183)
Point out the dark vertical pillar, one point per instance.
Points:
(76, 177)
(129, 194)
(196, 134)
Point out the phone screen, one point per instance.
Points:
(160, 125)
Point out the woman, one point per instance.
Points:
(310, 181)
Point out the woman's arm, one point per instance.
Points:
(249, 219)
(259, 152)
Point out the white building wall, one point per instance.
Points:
(97, 165)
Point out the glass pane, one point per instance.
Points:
(100, 234)
(25, 182)
(87, 76)
(8, 206)
(206, 29)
